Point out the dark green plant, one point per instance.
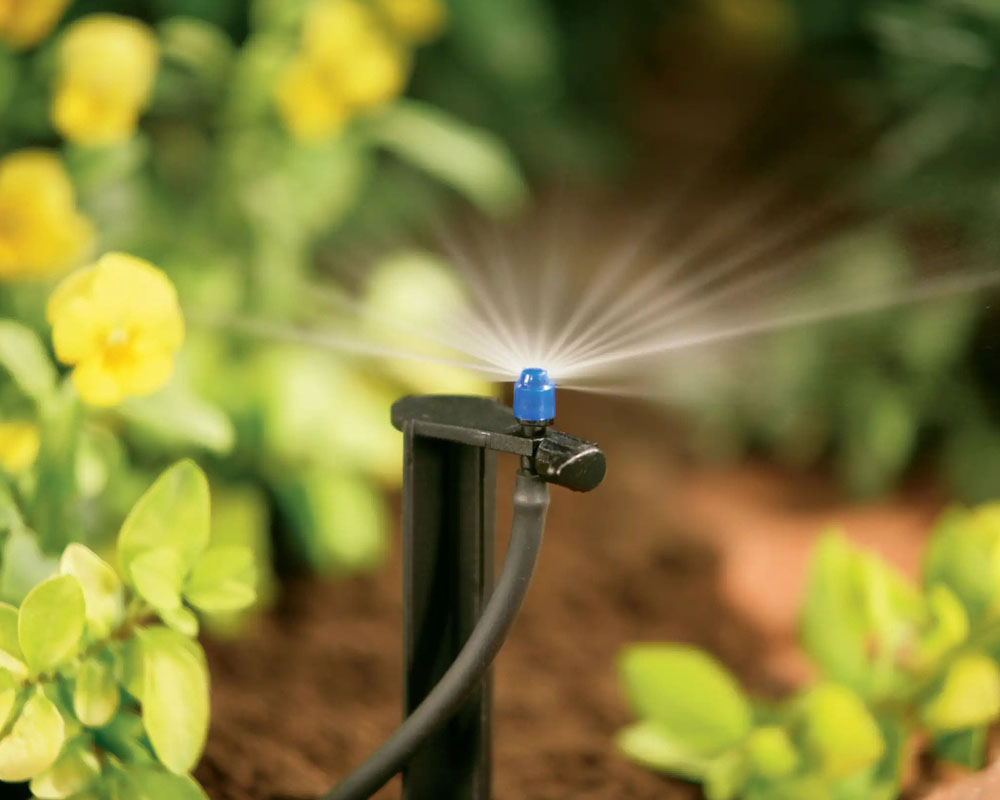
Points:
(899, 664)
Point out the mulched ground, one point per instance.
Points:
(662, 551)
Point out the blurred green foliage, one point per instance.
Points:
(245, 219)
(900, 665)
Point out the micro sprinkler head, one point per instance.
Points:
(535, 397)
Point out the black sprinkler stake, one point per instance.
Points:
(454, 619)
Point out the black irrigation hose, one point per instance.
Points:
(531, 501)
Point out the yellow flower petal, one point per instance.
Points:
(97, 382)
(333, 29)
(107, 67)
(24, 23)
(41, 231)
(308, 102)
(377, 75)
(414, 20)
(147, 374)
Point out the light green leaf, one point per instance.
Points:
(95, 697)
(102, 588)
(726, 776)
(75, 770)
(222, 580)
(11, 657)
(969, 695)
(151, 783)
(174, 698)
(858, 612)
(180, 619)
(176, 419)
(948, 626)
(8, 700)
(962, 554)
(50, 622)
(652, 746)
(840, 732)
(472, 160)
(174, 513)
(34, 742)
(668, 684)
(24, 356)
(771, 753)
(158, 576)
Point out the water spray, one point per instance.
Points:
(455, 619)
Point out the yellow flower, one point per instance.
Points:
(309, 106)
(119, 324)
(41, 231)
(26, 22)
(348, 64)
(19, 445)
(414, 20)
(107, 67)
(376, 75)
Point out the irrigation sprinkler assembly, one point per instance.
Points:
(455, 619)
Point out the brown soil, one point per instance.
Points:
(660, 552)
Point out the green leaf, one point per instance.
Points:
(471, 160)
(222, 580)
(125, 739)
(150, 783)
(771, 753)
(651, 745)
(34, 742)
(8, 700)
(174, 512)
(24, 356)
(968, 695)
(962, 554)
(95, 697)
(158, 576)
(727, 774)
(839, 731)
(964, 747)
(75, 770)
(668, 684)
(180, 619)
(948, 626)
(175, 419)
(174, 697)
(50, 623)
(102, 588)
(858, 613)
(11, 657)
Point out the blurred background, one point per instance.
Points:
(268, 197)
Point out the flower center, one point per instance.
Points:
(117, 337)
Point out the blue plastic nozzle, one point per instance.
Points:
(535, 396)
